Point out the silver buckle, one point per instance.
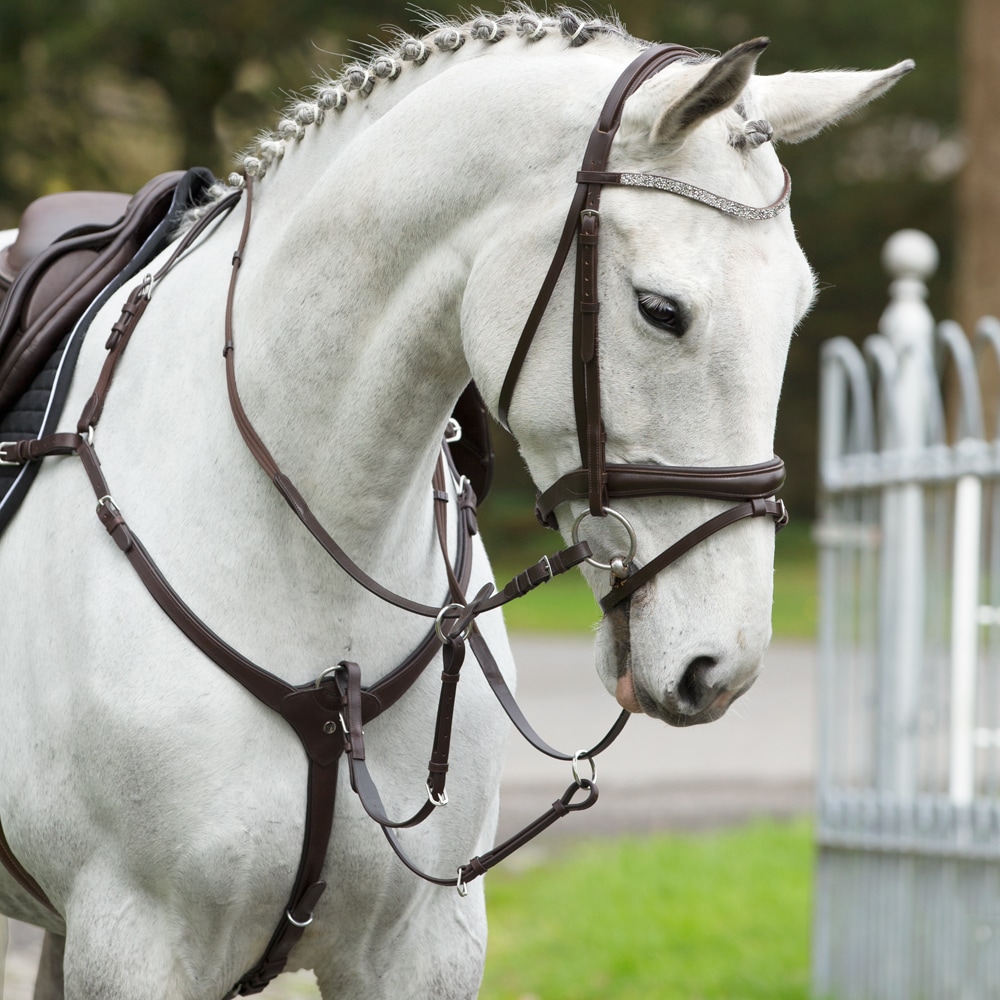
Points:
(436, 800)
(5, 444)
(548, 569)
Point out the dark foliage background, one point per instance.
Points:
(106, 93)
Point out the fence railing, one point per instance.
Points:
(908, 822)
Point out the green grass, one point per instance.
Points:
(712, 916)
(514, 541)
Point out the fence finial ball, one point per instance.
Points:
(910, 254)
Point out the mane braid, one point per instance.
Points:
(384, 63)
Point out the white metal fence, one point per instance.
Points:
(908, 887)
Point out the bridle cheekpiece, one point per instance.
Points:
(595, 480)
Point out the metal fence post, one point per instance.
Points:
(911, 258)
(908, 806)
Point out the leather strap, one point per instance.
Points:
(621, 589)
(637, 72)
(543, 571)
(317, 712)
(736, 482)
(135, 306)
(309, 710)
(595, 480)
(364, 786)
(317, 718)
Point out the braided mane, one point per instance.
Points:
(384, 64)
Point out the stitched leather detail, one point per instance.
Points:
(737, 482)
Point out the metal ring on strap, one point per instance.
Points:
(614, 566)
(298, 923)
(445, 638)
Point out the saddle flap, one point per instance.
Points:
(55, 283)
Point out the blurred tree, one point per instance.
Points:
(105, 93)
(977, 290)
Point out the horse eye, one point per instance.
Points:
(662, 312)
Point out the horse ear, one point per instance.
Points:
(715, 89)
(798, 105)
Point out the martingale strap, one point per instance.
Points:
(328, 716)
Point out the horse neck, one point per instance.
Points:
(345, 395)
(371, 237)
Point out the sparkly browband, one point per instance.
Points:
(660, 183)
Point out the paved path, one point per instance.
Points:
(759, 760)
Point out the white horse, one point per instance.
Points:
(407, 216)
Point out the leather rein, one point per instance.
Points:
(329, 714)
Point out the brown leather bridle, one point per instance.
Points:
(597, 481)
(328, 715)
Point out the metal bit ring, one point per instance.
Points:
(618, 563)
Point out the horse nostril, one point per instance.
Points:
(693, 688)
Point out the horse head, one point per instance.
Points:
(698, 295)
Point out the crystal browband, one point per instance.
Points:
(685, 190)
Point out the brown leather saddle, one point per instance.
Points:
(69, 248)
(72, 251)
